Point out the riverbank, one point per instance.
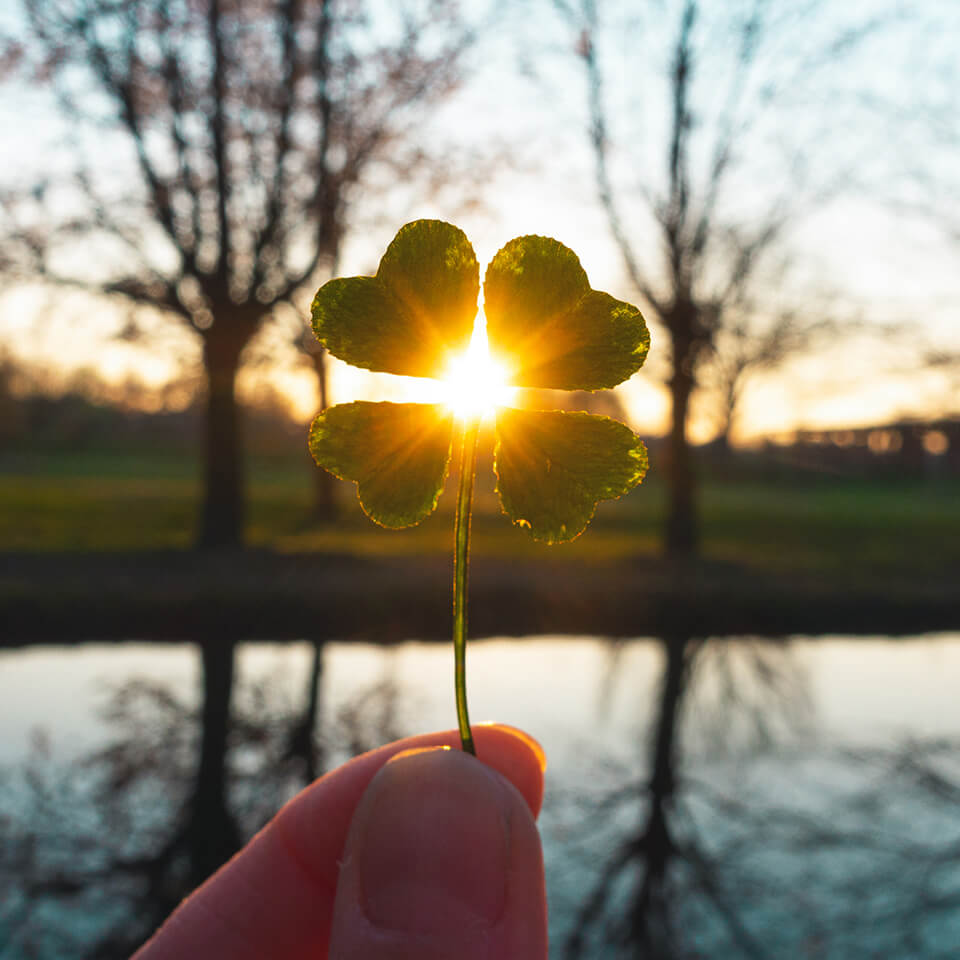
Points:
(98, 547)
(259, 594)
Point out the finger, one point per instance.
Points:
(275, 897)
(442, 860)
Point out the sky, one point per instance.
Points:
(860, 255)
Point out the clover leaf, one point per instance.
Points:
(545, 325)
(550, 329)
(554, 467)
(420, 306)
(398, 454)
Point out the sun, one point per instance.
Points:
(474, 384)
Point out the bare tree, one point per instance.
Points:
(251, 129)
(724, 166)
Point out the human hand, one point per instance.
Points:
(411, 850)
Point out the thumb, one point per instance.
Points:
(442, 860)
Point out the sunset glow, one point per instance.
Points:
(475, 385)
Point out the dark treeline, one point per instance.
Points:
(85, 413)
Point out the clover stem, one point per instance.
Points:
(461, 569)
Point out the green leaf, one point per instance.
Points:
(554, 467)
(550, 329)
(417, 311)
(398, 454)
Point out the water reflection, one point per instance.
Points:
(840, 853)
(696, 810)
(644, 888)
(95, 855)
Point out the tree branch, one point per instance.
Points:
(599, 141)
(218, 130)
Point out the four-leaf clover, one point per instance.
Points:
(546, 327)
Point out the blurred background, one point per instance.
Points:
(744, 673)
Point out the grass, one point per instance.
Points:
(836, 526)
(821, 526)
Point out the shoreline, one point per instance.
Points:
(260, 595)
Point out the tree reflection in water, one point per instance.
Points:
(829, 853)
(94, 856)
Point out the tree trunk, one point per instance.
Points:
(324, 483)
(682, 538)
(663, 765)
(303, 744)
(649, 912)
(221, 520)
(213, 834)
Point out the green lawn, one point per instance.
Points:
(824, 525)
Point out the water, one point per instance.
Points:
(814, 775)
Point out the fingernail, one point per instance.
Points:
(533, 744)
(434, 844)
